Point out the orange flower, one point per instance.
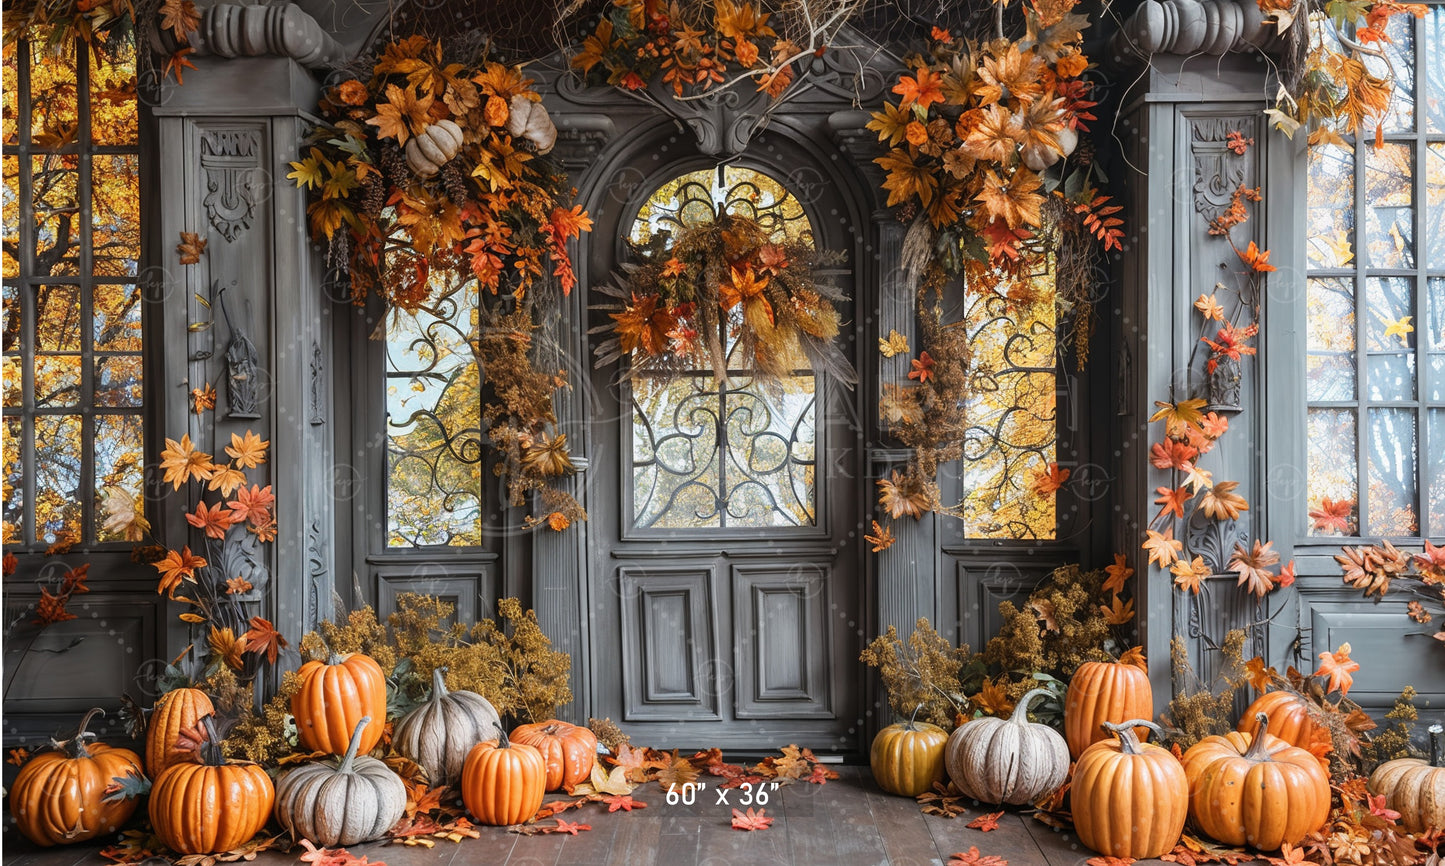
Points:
(238, 585)
(248, 453)
(226, 479)
(213, 520)
(496, 111)
(177, 567)
(203, 398)
(253, 505)
(351, 92)
(266, 531)
(673, 268)
(51, 608)
(558, 521)
(916, 133)
(1072, 66)
(182, 462)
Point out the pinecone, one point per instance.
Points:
(374, 198)
(338, 252)
(907, 211)
(393, 162)
(455, 183)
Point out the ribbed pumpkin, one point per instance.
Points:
(1129, 799)
(213, 806)
(907, 757)
(1009, 760)
(1102, 692)
(440, 733)
(1289, 718)
(503, 782)
(1255, 789)
(341, 804)
(59, 796)
(176, 709)
(1415, 788)
(334, 695)
(569, 750)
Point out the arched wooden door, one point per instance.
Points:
(726, 557)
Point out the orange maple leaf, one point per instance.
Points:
(1256, 258)
(922, 367)
(1172, 500)
(985, 822)
(1338, 667)
(176, 567)
(751, 820)
(1188, 575)
(922, 89)
(1049, 479)
(1333, 515)
(1118, 573)
(263, 639)
(1163, 547)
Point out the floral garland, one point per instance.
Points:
(431, 172)
(725, 274)
(985, 159)
(638, 40)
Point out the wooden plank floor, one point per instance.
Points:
(847, 822)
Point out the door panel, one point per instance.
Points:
(781, 646)
(669, 640)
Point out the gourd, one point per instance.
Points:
(332, 696)
(568, 750)
(340, 804)
(213, 806)
(176, 709)
(439, 733)
(503, 782)
(1289, 718)
(1009, 760)
(433, 148)
(59, 796)
(1255, 789)
(1129, 799)
(1415, 788)
(529, 120)
(1105, 692)
(907, 757)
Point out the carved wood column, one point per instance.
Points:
(250, 313)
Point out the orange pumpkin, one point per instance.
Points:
(59, 796)
(333, 696)
(212, 806)
(1289, 718)
(503, 782)
(1255, 789)
(176, 709)
(569, 750)
(1129, 798)
(1102, 692)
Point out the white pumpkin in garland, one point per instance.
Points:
(433, 148)
(336, 805)
(1011, 760)
(438, 734)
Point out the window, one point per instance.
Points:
(708, 455)
(1375, 334)
(72, 332)
(433, 422)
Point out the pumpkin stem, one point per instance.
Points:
(1437, 759)
(438, 685)
(76, 744)
(912, 724)
(354, 746)
(1129, 742)
(1021, 712)
(1256, 750)
(502, 741)
(332, 658)
(210, 751)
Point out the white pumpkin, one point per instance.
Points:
(433, 148)
(439, 734)
(1011, 761)
(1415, 788)
(530, 120)
(336, 805)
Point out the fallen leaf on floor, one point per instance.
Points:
(623, 802)
(1103, 860)
(971, 857)
(985, 823)
(751, 820)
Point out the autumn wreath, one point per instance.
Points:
(429, 172)
(725, 295)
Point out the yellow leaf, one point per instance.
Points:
(893, 344)
(192, 617)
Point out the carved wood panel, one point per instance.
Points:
(780, 646)
(669, 644)
(470, 588)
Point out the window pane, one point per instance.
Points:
(1435, 198)
(433, 406)
(1331, 339)
(1393, 473)
(1434, 336)
(115, 318)
(1330, 434)
(58, 450)
(57, 318)
(1331, 207)
(10, 213)
(113, 118)
(117, 381)
(14, 474)
(1391, 305)
(1399, 60)
(1389, 211)
(57, 381)
(55, 181)
(9, 81)
(1435, 418)
(119, 460)
(53, 116)
(115, 215)
(1433, 71)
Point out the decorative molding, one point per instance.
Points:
(241, 556)
(1224, 385)
(316, 573)
(285, 30)
(230, 158)
(1218, 171)
(242, 367)
(1187, 27)
(318, 364)
(1212, 539)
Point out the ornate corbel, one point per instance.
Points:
(284, 30)
(1209, 27)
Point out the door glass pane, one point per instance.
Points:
(433, 423)
(1392, 472)
(714, 454)
(1435, 496)
(1433, 335)
(1399, 61)
(1330, 321)
(1330, 434)
(1331, 207)
(1389, 211)
(1432, 71)
(1435, 200)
